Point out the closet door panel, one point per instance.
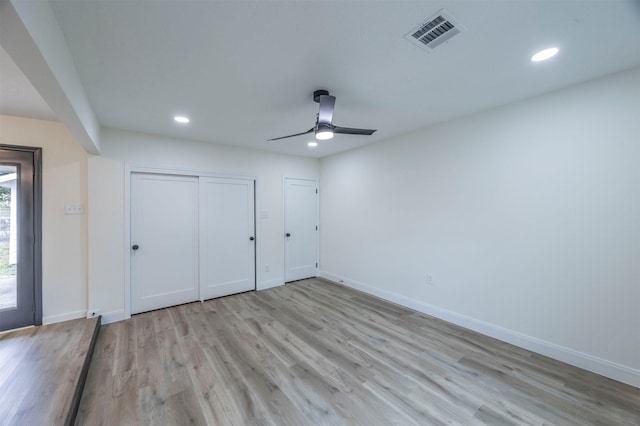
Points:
(227, 237)
(164, 241)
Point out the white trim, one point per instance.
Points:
(284, 228)
(592, 363)
(114, 316)
(129, 169)
(51, 319)
(270, 284)
(257, 247)
(144, 168)
(107, 317)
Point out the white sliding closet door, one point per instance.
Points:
(227, 237)
(164, 241)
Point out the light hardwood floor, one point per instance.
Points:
(313, 352)
(41, 370)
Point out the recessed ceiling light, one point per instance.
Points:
(545, 54)
(312, 144)
(181, 119)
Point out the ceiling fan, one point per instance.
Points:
(324, 128)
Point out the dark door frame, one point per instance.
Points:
(37, 226)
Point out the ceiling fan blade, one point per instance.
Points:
(290, 136)
(352, 131)
(325, 114)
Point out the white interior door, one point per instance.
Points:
(227, 237)
(301, 229)
(164, 241)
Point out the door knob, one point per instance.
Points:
(251, 238)
(288, 234)
(135, 247)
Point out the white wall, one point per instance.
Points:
(107, 202)
(64, 237)
(527, 216)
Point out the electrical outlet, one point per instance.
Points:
(267, 268)
(93, 313)
(429, 279)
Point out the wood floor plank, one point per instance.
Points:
(313, 352)
(41, 371)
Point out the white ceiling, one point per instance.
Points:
(245, 71)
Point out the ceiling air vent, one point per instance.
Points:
(436, 30)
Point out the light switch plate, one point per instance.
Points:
(74, 208)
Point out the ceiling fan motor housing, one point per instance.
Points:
(323, 127)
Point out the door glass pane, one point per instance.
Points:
(8, 237)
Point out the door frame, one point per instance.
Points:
(129, 169)
(37, 226)
(284, 223)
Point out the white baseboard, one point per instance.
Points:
(592, 363)
(113, 316)
(51, 319)
(269, 284)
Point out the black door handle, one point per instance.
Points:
(251, 238)
(288, 234)
(135, 247)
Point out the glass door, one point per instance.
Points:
(18, 239)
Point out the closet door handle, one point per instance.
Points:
(251, 238)
(288, 234)
(135, 247)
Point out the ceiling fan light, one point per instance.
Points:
(323, 136)
(324, 132)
